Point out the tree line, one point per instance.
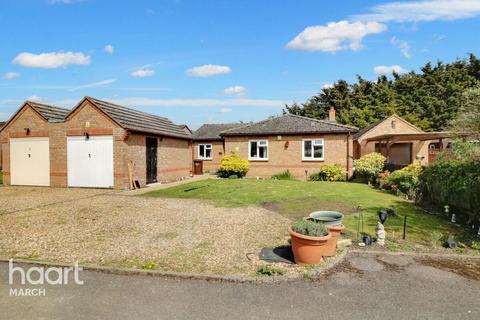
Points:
(429, 99)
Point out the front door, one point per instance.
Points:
(152, 146)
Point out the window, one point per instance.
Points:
(258, 150)
(313, 149)
(205, 151)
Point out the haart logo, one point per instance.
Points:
(40, 276)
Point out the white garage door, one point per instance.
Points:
(90, 161)
(30, 161)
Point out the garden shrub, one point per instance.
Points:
(455, 183)
(334, 172)
(406, 180)
(270, 271)
(285, 175)
(233, 165)
(310, 228)
(369, 166)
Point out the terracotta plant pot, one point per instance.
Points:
(306, 249)
(331, 245)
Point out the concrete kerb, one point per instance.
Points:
(185, 275)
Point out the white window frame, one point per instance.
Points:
(205, 147)
(249, 150)
(312, 158)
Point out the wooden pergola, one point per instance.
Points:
(388, 140)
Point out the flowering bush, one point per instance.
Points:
(233, 165)
(369, 166)
(334, 172)
(406, 179)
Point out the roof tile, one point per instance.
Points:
(289, 124)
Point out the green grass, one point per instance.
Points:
(1, 177)
(296, 199)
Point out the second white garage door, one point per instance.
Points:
(90, 161)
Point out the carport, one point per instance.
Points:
(397, 147)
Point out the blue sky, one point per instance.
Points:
(217, 61)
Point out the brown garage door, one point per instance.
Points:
(400, 153)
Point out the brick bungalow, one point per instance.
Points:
(209, 147)
(92, 146)
(400, 141)
(290, 142)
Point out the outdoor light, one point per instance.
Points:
(383, 215)
(27, 130)
(87, 136)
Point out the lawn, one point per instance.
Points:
(296, 199)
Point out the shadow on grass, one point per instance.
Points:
(298, 208)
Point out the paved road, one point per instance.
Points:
(363, 286)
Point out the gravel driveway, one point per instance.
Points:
(111, 228)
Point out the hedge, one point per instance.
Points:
(455, 183)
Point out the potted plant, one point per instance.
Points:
(331, 245)
(308, 241)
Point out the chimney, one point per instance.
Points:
(331, 114)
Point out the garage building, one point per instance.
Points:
(92, 146)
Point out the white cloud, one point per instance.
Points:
(143, 73)
(208, 70)
(108, 48)
(235, 90)
(239, 102)
(94, 84)
(34, 98)
(10, 75)
(335, 36)
(327, 86)
(225, 110)
(389, 69)
(50, 60)
(404, 47)
(427, 10)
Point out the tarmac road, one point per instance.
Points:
(363, 286)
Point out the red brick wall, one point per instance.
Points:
(286, 154)
(217, 154)
(174, 159)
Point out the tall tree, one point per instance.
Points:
(429, 99)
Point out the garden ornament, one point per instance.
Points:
(453, 218)
(451, 244)
(380, 233)
(367, 239)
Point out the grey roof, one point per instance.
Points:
(289, 124)
(135, 120)
(51, 113)
(366, 129)
(212, 131)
